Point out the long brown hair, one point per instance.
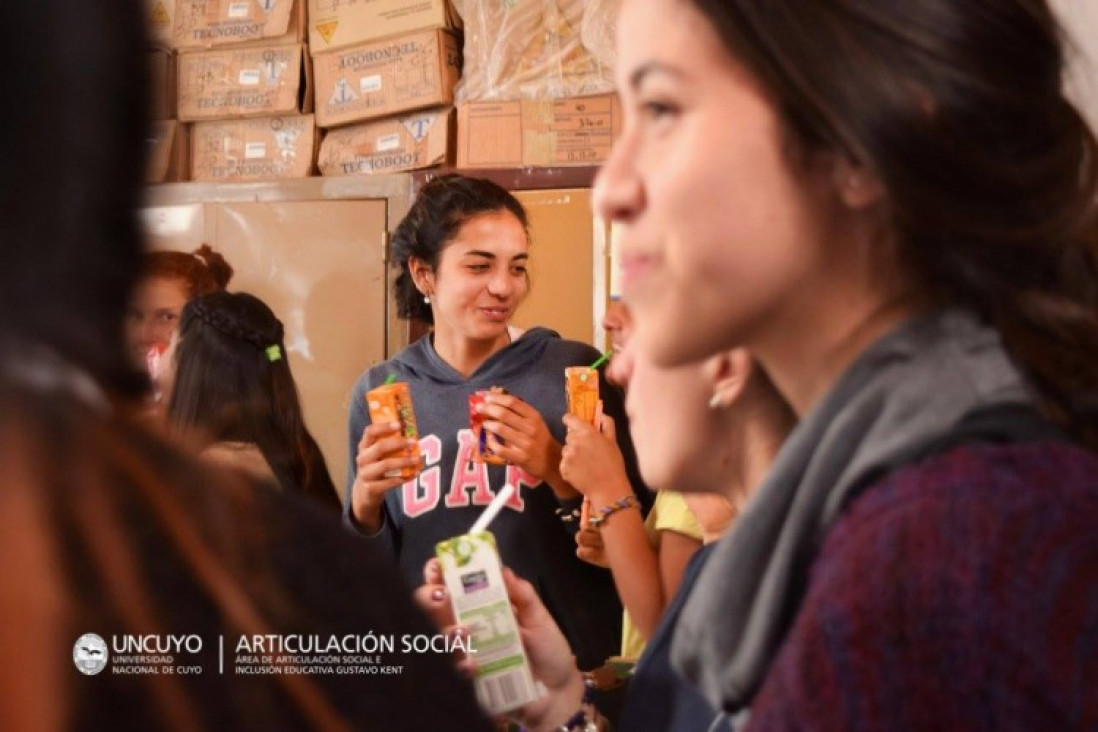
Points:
(233, 383)
(98, 578)
(990, 173)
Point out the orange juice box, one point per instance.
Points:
(483, 454)
(472, 571)
(393, 403)
(582, 388)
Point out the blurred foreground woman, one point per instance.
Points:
(892, 206)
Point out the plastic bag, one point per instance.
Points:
(528, 49)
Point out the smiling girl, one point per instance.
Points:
(462, 253)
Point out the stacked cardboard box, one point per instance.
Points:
(167, 141)
(254, 148)
(338, 24)
(245, 83)
(537, 85)
(204, 24)
(227, 72)
(537, 132)
(385, 77)
(236, 80)
(407, 142)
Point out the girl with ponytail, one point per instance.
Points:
(231, 387)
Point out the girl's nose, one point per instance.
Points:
(619, 192)
(501, 283)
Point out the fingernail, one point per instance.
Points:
(395, 425)
(438, 594)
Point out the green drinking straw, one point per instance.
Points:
(602, 359)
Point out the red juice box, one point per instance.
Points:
(484, 453)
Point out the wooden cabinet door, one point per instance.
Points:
(567, 264)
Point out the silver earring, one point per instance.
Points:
(715, 402)
(427, 299)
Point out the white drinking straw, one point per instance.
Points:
(493, 508)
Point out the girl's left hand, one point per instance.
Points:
(551, 659)
(524, 439)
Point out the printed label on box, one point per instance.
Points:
(387, 142)
(238, 10)
(249, 77)
(369, 84)
(254, 150)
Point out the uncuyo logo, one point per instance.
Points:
(90, 654)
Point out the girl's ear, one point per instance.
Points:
(728, 373)
(858, 186)
(422, 275)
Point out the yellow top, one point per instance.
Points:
(669, 513)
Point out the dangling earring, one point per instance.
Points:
(427, 299)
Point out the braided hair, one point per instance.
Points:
(233, 384)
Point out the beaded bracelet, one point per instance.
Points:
(599, 516)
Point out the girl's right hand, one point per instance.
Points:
(375, 459)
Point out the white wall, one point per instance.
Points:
(1080, 20)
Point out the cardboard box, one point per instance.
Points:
(161, 69)
(253, 149)
(537, 132)
(161, 17)
(168, 152)
(417, 140)
(207, 23)
(335, 24)
(379, 79)
(244, 82)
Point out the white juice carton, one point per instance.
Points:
(471, 569)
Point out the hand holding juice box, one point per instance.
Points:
(582, 389)
(392, 402)
(581, 386)
(473, 575)
(484, 453)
